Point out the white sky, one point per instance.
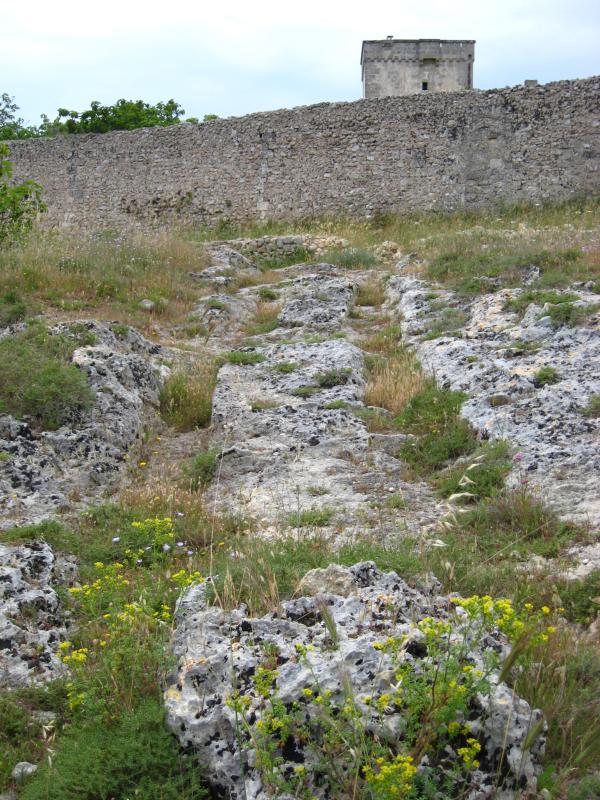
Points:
(238, 56)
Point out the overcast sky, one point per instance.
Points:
(235, 57)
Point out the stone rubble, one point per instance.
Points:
(490, 359)
(219, 651)
(49, 471)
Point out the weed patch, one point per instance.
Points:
(244, 358)
(38, 380)
(351, 258)
(186, 397)
(481, 476)
(370, 294)
(201, 470)
(311, 518)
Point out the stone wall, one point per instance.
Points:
(401, 154)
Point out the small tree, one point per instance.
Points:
(11, 126)
(19, 203)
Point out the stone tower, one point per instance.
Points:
(411, 66)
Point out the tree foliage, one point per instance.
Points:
(19, 203)
(11, 126)
(124, 115)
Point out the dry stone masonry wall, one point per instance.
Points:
(397, 154)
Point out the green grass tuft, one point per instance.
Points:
(38, 380)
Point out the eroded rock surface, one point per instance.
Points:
(219, 653)
(45, 472)
(494, 357)
(289, 437)
(31, 620)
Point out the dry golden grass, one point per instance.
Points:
(370, 294)
(264, 319)
(394, 381)
(255, 279)
(66, 276)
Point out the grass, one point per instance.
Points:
(569, 314)
(243, 358)
(286, 367)
(267, 295)
(264, 319)
(546, 376)
(442, 435)
(311, 517)
(186, 396)
(104, 276)
(393, 379)
(370, 294)
(304, 391)
(520, 302)
(448, 321)
(135, 755)
(351, 258)
(39, 382)
(593, 407)
(201, 469)
(480, 476)
(13, 308)
(333, 377)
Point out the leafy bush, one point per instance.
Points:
(186, 397)
(38, 380)
(19, 204)
(135, 756)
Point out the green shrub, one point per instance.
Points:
(38, 380)
(243, 358)
(202, 469)
(546, 376)
(186, 397)
(135, 756)
(430, 409)
(569, 314)
(20, 203)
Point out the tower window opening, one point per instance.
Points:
(425, 86)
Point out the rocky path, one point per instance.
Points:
(294, 452)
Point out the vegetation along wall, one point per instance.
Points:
(401, 154)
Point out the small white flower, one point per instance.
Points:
(166, 547)
(116, 539)
(180, 544)
(190, 552)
